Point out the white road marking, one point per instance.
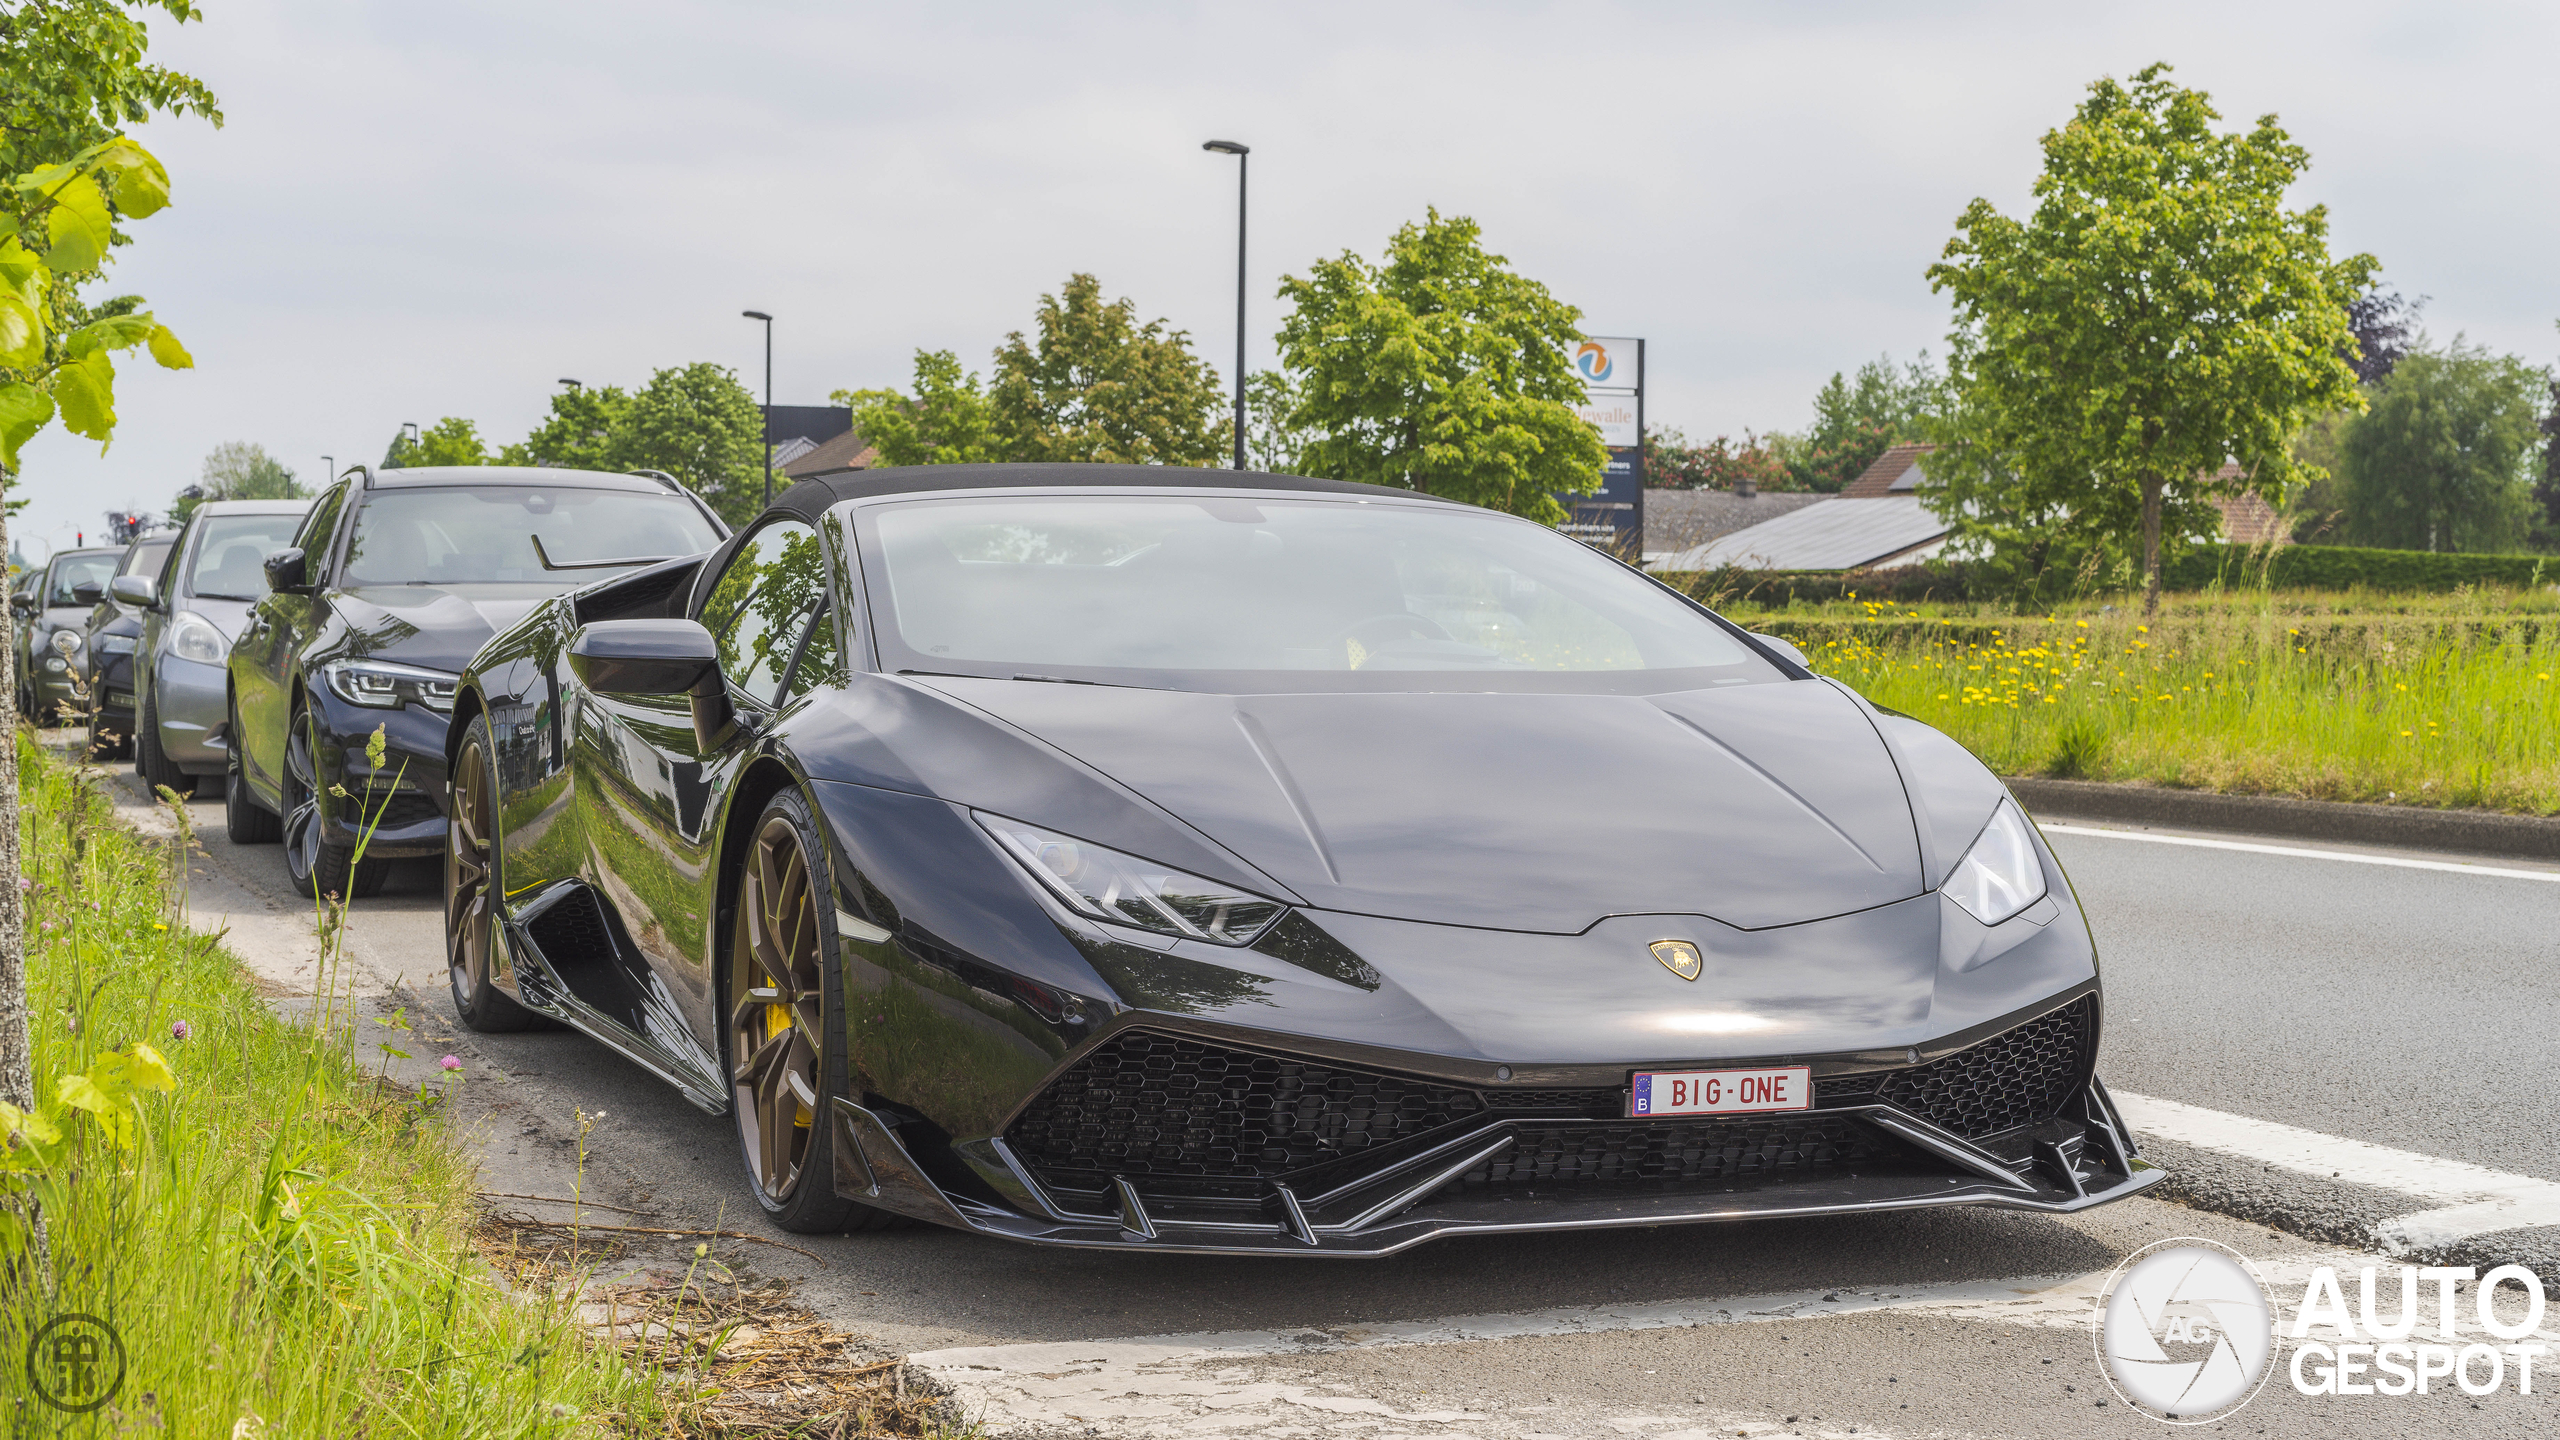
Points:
(2476, 1200)
(1209, 1383)
(2456, 866)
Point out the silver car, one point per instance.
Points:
(191, 614)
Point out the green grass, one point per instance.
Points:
(285, 1237)
(2435, 700)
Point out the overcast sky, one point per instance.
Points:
(427, 210)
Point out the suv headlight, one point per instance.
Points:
(1126, 890)
(66, 643)
(2000, 875)
(192, 637)
(387, 686)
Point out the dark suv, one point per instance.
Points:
(395, 579)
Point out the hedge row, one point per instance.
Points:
(2294, 567)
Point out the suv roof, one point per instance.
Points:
(525, 475)
(252, 507)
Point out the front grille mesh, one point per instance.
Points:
(400, 807)
(1667, 1152)
(1579, 1102)
(1153, 1105)
(2018, 1077)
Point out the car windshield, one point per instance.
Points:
(73, 570)
(486, 535)
(1229, 591)
(230, 560)
(146, 559)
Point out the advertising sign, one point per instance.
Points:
(1612, 373)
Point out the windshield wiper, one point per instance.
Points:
(548, 564)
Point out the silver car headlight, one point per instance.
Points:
(192, 637)
(386, 686)
(66, 643)
(1126, 890)
(115, 644)
(2000, 875)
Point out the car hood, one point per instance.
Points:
(1758, 805)
(425, 625)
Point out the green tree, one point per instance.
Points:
(2159, 313)
(1856, 417)
(450, 441)
(1096, 386)
(697, 423)
(238, 470)
(1440, 370)
(578, 434)
(1671, 462)
(2446, 458)
(947, 421)
(1273, 442)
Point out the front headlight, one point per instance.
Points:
(1108, 885)
(2000, 875)
(115, 644)
(192, 637)
(386, 686)
(66, 643)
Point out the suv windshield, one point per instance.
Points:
(480, 535)
(73, 570)
(230, 560)
(1229, 591)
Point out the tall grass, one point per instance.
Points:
(282, 1246)
(2438, 700)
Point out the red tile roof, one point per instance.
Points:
(1878, 479)
(848, 451)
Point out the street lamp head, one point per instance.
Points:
(572, 384)
(757, 315)
(1228, 147)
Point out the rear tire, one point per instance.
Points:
(149, 760)
(783, 1041)
(242, 817)
(472, 884)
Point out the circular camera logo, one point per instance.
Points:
(1594, 362)
(2185, 1331)
(76, 1362)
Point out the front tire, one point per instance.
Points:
(149, 760)
(246, 822)
(472, 887)
(784, 1038)
(315, 864)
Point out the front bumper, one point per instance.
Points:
(2083, 1157)
(189, 700)
(408, 791)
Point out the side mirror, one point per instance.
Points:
(1783, 647)
(285, 572)
(657, 657)
(22, 605)
(139, 590)
(88, 592)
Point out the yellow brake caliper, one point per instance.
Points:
(777, 1020)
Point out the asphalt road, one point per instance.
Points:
(2410, 1008)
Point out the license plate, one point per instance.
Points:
(1721, 1092)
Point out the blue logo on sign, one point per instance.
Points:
(1594, 362)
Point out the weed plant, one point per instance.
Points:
(279, 1237)
(2438, 700)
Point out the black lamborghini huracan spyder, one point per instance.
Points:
(1191, 860)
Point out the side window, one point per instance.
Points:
(821, 658)
(313, 540)
(169, 564)
(760, 604)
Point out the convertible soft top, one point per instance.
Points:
(809, 497)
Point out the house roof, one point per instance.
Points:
(848, 451)
(1895, 472)
(1834, 534)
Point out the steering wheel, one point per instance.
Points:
(1396, 625)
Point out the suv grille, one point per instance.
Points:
(2017, 1077)
(1155, 1105)
(399, 808)
(1638, 1153)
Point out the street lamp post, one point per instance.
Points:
(328, 470)
(768, 399)
(1240, 150)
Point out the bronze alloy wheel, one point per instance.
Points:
(470, 889)
(784, 1054)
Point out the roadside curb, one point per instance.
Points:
(2478, 832)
